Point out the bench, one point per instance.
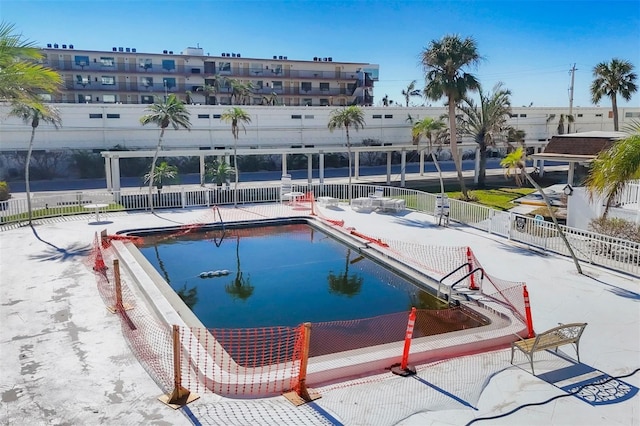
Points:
(564, 334)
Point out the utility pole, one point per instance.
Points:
(572, 71)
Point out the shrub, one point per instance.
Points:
(616, 227)
(5, 192)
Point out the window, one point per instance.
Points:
(95, 115)
(113, 115)
(523, 115)
(109, 99)
(307, 102)
(81, 61)
(305, 86)
(84, 80)
(631, 114)
(598, 115)
(276, 69)
(106, 61)
(203, 115)
(324, 102)
(277, 85)
(258, 84)
(85, 99)
(146, 64)
(579, 115)
(169, 82)
(196, 70)
(255, 69)
(146, 99)
(168, 64)
(146, 81)
(308, 117)
(388, 116)
(377, 116)
(46, 97)
(224, 67)
(324, 87)
(108, 80)
(217, 115)
(351, 87)
(513, 115)
(296, 117)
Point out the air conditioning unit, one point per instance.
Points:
(128, 49)
(133, 49)
(71, 46)
(55, 46)
(49, 45)
(115, 49)
(64, 46)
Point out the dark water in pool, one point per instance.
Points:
(277, 275)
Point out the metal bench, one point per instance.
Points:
(564, 334)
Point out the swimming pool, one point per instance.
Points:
(278, 275)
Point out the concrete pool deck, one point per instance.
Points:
(65, 360)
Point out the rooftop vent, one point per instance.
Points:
(233, 55)
(120, 49)
(274, 56)
(171, 52)
(64, 46)
(71, 46)
(133, 49)
(238, 55)
(128, 49)
(49, 45)
(280, 57)
(115, 49)
(164, 51)
(330, 59)
(55, 46)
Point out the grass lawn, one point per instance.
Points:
(497, 198)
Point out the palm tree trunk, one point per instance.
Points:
(435, 163)
(482, 170)
(27, 186)
(454, 146)
(349, 154)
(153, 169)
(614, 106)
(235, 167)
(555, 220)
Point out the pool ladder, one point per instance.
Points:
(453, 295)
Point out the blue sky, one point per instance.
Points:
(528, 45)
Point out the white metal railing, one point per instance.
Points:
(611, 252)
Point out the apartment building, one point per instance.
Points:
(126, 76)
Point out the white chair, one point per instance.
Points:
(378, 193)
(286, 188)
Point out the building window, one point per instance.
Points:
(305, 86)
(196, 70)
(296, 117)
(95, 115)
(146, 99)
(217, 115)
(224, 67)
(203, 115)
(631, 114)
(523, 115)
(351, 87)
(256, 69)
(324, 87)
(113, 115)
(513, 115)
(106, 61)
(276, 69)
(81, 61)
(388, 116)
(109, 99)
(324, 102)
(257, 101)
(108, 80)
(169, 82)
(146, 64)
(46, 97)
(168, 64)
(83, 80)
(579, 115)
(146, 81)
(277, 85)
(308, 117)
(258, 84)
(598, 115)
(84, 99)
(377, 116)
(307, 102)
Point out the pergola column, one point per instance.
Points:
(422, 162)
(321, 167)
(115, 174)
(389, 167)
(356, 164)
(107, 172)
(284, 164)
(309, 169)
(202, 169)
(403, 164)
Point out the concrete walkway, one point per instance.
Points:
(65, 361)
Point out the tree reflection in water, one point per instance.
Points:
(343, 283)
(240, 287)
(188, 296)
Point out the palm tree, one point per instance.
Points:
(614, 168)
(443, 61)
(164, 171)
(611, 79)
(410, 91)
(238, 118)
(486, 122)
(428, 127)
(219, 172)
(240, 287)
(515, 163)
(515, 135)
(22, 78)
(240, 92)
(350, 116)
(271, 99)
(32, 115)
(163, 113)
(211, 87)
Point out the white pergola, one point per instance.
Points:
(112, 158)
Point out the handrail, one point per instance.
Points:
(468, 275)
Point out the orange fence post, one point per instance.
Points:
(472, 277)
(180, 395)
(404, 369)
(303, 394)
(527, 311)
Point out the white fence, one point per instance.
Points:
(610, 252)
